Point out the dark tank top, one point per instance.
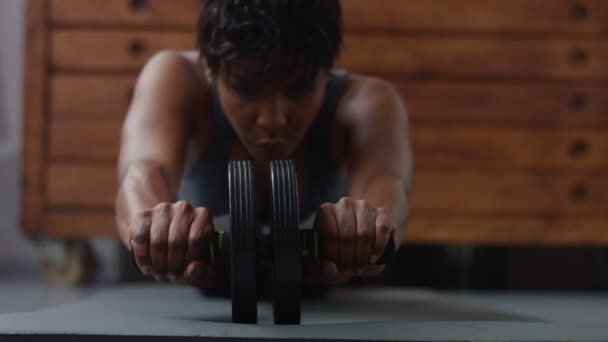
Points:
(206, 183)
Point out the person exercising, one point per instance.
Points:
(262, 86)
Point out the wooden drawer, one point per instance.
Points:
(112, 50)
(156, 13)
(79, 186)
(79, 224)
(90, 97)
(506, 59)
(508, 230)
(435, 148)
(462, 148)
(505, 104)
(508, 193)
(91, 141)
(467, 16)
(472, 16)
(76, 186)
(96, 96)
(386, 55)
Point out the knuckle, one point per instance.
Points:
(163, 208)
(143, 217)
(159, 244)
(326, 205)
(203, 213)
(381, 211)
(183, 207)
(384, 229)
(177, 242)
(196, 236)
(326, 208)
(345, 200)
(140, 235)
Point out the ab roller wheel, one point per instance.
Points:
(243, 245)
(238, 251)
(287, 271)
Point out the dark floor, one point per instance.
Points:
(158, 311)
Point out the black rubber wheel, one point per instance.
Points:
(243, 244)
(286, 275)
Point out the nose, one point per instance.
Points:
(272, 116)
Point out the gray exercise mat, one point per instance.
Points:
(162, 312)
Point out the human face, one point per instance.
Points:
(269, 119)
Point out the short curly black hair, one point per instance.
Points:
(284, 36)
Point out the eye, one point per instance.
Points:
(298, 91)
(246, 91)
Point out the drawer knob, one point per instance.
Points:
(578, 102)
(139, 5)
(579, 192)
(578, 56)
(137, 48)
(579, 149)
(578, 13)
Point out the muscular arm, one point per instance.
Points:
(380, 163)
(154, 137)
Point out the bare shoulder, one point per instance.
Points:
(368, 98)
(370, 107)
(170, 89)
(169, 76)
(168, 111)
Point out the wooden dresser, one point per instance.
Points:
(507, 100)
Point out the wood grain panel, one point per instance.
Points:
(90, 97)
(507, 230)
(497, 230)
(472, 16)
(533, 105)
(500, 193)
(435, 148)
(85, 141)
(488, 148)
(112, 50)
(542, 16)
(76, 186)
(81, 186)
(35, 106)
(425, 58)
(384, 54)
(79, 224)
(106, 96)
(159, 13)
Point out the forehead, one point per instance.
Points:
(257, 69)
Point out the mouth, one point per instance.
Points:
(271, 146)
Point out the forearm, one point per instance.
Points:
(143, 186)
